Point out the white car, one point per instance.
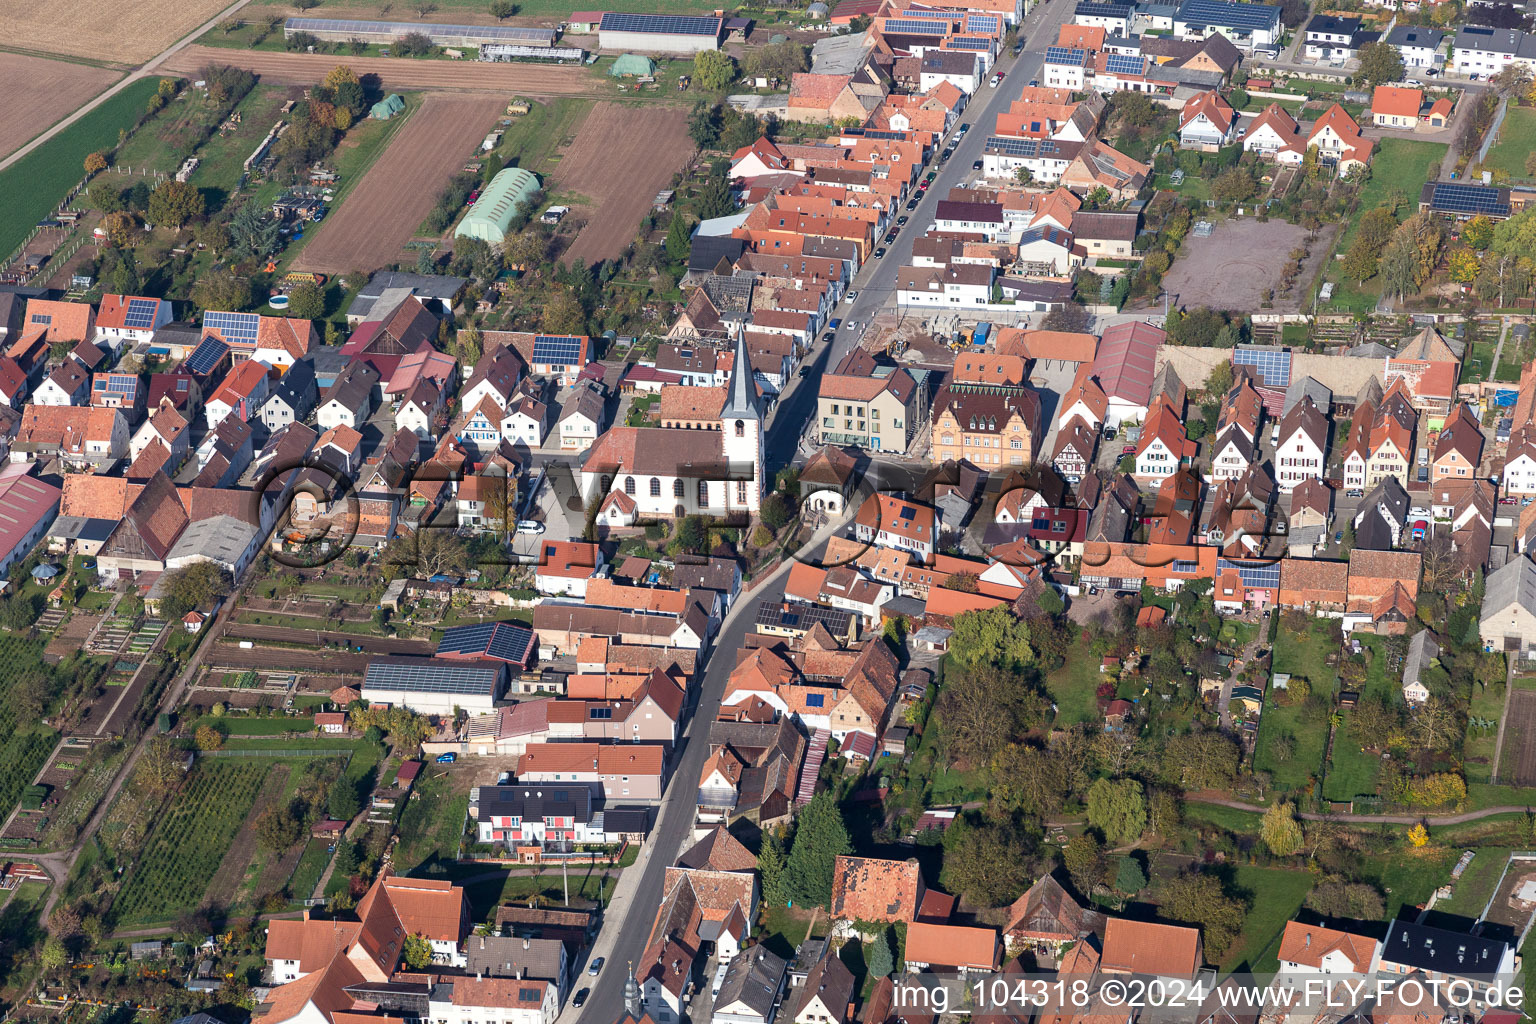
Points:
(530, 526)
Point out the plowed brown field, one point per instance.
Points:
(373, 223)
(109, 30)
(39, 92)
(395, 74)
(621, 158)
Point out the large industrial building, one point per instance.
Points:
(659, 33)
(341, 30)
(491, 216)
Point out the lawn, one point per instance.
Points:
(1472, 890)
(282, 743)
(1487, 705)
(1352, 771)
(254, 725)
(432, 823)
(1238, 634)
(587, 882)
(1399, 165)
(1193, 187)
(1476, 368)
(1517, 141)
(1276, 895)
(1074, 689)
(1308, 740)
(32, 187)
(783, 929)
(1243, 823)
(1305, 654)
(190, 840)
(1407, 876)
(301, 884)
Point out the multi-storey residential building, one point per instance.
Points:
(989, 425)
(879, 413)
(1301, 451)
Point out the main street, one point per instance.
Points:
(639, 892)
(876, 281)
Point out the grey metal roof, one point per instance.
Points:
(220, 538)
(1307, 387)
(1514, 583)
(1414, 36)
(1422, 649)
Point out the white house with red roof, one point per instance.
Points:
(129, 319)
(758, 159)
(1206, 123)
(1338, 140)
(1275, 135)
(30, 508)
(565, 567)
(241, 393)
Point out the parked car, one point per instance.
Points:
(581, 998)
(531, 527)
(976, 165)
(1034, 83)
(890, 238)
(1338, 538)
(965, 126)
(880, 253)
(853, 295)
(836, 321)
(901, 221)
(1128, 449)
(1354, 493)
(912, 205)
(596, 966)
(931, 176)
(447, 758)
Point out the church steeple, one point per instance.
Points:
(741, 400)
(632, 994)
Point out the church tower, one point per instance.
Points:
(741, 431)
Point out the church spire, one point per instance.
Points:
(632, 994)
(741, 400)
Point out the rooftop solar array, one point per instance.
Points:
(983, 23)
(427, 676)
(117, 383)
(911, 27)
(556, 350)
(1064, 55)
(1020, 147)
(981, 43)
(1273, 365)
(1097, 9)
(141, 313)
(1123, 64)
(1253, 575)
(501, 33)
(502, 640)
(1225, 12)
(660, 24)
(206, 356)
(233, 327)
(931, 15)
(1470, 199)
(1184, 565)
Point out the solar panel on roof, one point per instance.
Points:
(556, 351)
(982, 23)
(359, 28)
(1253, 575)
(1273, 365)
(909, 27)
(1020, 147)
(968, 43)
(234, 327)
(1474, 199)
(1063, 55)
(1224, 12)
(429, 676)
(930, 15)
(1123, 64)
(141, 313)
(206, 356)
(660, 24)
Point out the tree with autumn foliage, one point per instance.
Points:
(1464, 266)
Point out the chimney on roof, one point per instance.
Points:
(526, 943)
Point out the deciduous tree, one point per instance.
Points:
(986, 862)
(1380, 63)
(417, 952)
(1198, 899)
(713, 69)
(208, 738)
(307, 301)
(1118, 809)
(993, 636)
(1280, 830)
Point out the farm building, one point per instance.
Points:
(387, 107)
(432, 687)
(492, 213)
(659, 33)
(341, 30)
(632, 64)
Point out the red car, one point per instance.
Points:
(1129, 449)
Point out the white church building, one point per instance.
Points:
(678, 471)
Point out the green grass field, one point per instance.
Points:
(1276, 894)
(1470, 893)
(1517, 141)
(1073, 688)
(1398, 165)
(432, 822)
(1477, 752)
(1308, 739)
(1352, 771)
(32, 187)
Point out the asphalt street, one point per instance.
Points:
(627, 926)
